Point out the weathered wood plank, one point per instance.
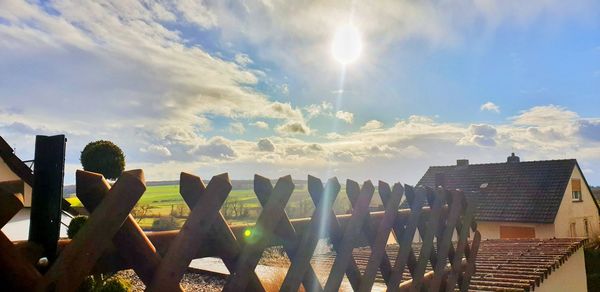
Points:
(16, 273)
(427, 246)
(96, 235)
(406, 237)
(266, 223)
(445, 241)
(285, 230)
(335, 236)
(471, 255)
(191, 236)
(344, 256)
(369, 230)
(456, 258)
(132, 243)
(12, 187)
(10, 201)
(378, 254)
(323, 202)
(192, 189)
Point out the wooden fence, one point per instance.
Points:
(111, 239)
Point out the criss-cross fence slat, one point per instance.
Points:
(12, 264)
(445, 260)
(194, 231)
(285, 230)
(268, 220)
(379, 258)
(323, 197)
(348, 241)
(191, 190)
(131, 242)
(77, 259)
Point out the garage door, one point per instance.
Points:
(517, 232)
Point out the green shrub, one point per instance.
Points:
(164, 223)
(103, 157)
(115, 284)
(104, 283)
(76, 224)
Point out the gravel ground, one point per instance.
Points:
(190, 282)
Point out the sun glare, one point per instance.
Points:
(347, 45)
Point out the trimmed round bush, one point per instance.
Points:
(76, 224)
(103, 157)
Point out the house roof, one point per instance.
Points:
(19, 167)
(530, 191)
(501, 265)
(520, 264)
(14, 163)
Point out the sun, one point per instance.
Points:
(347, 44)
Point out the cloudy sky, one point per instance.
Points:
(253, 87)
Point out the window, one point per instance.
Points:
(576, 188)
(586, 228)
(573, 231)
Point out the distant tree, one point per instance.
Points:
(103, 157)
(140, 212)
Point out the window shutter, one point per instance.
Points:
(576, 185)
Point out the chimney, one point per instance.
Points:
(462, 162)
(513, 158)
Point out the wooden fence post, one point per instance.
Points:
(46, 198)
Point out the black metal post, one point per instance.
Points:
(46, 198)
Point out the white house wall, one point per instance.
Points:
(570, 276)
(570, 211)
(491, 229)
(6, 174)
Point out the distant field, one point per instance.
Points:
(165, 198)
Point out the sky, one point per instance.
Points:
(249, 87)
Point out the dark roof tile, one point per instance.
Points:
(516, 192)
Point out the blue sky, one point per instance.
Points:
(252, 86)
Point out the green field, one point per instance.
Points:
(161, 201)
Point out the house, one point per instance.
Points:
(13, 168)
(523, 199)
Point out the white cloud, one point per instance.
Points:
(243, 59)
(490, 106)
(127, 64)
(545, 116)
(157, 149)
(196, 12)
(314, 110)
(265, 145)
(260, 124)
(285, 89)
(293, 128)
(237, 128)
(217, 148)
(372, 125)
(347, 117)
(482, 135)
